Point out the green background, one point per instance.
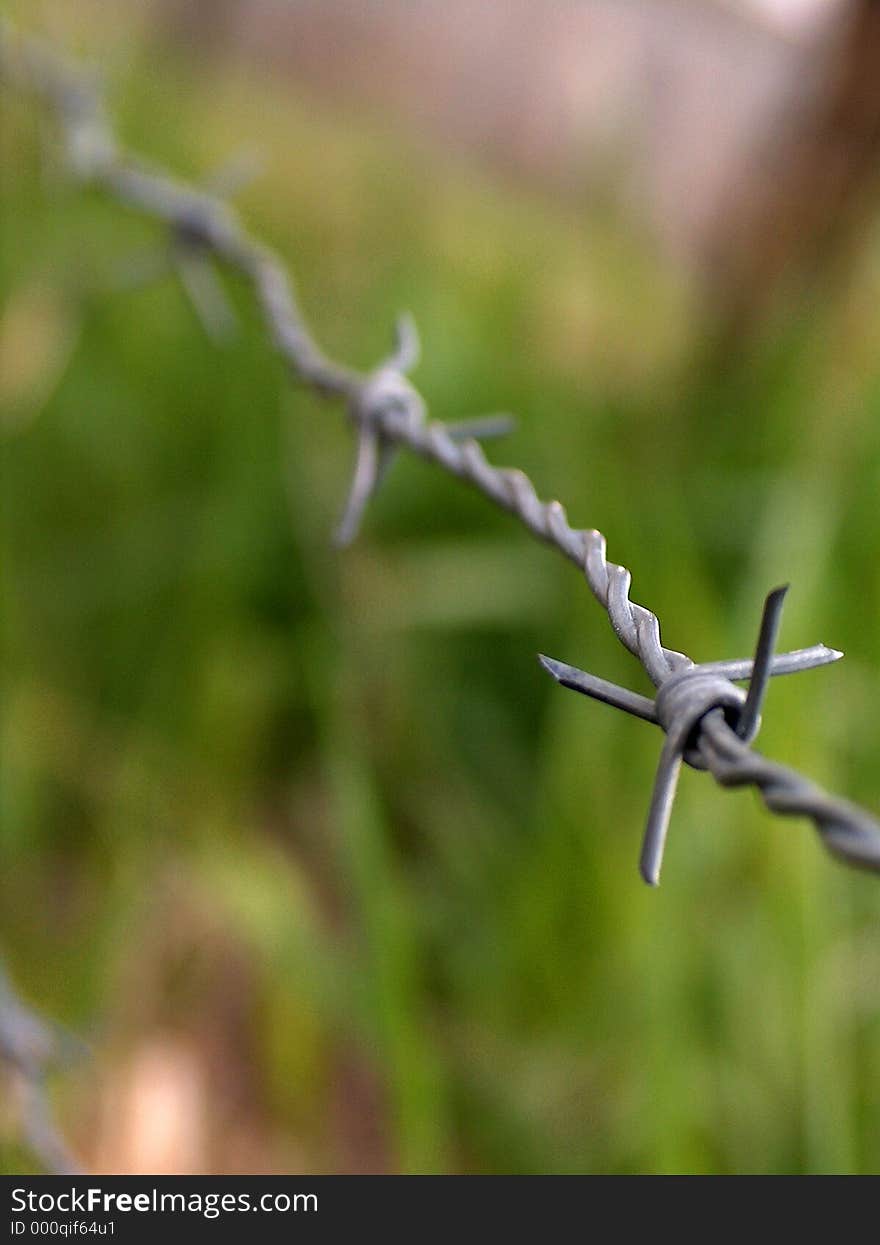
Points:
(316, 825)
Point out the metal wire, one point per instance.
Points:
(699, 708)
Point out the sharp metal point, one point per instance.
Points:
(600, 689)
(660, 812)
(363, 484)
(750, 717)
(206, 294)
(783, 663)
(234, 174)
(483, 428)
(407, 344)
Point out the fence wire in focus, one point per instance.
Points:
(708, 722)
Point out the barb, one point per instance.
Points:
(750, 716)
(185, 255)
(698, 707)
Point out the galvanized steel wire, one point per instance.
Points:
(698, 706)
(388, 414)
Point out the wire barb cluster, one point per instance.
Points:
(685, 698)
(708, 722)
(703, 720)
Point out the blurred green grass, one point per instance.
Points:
(321, 815)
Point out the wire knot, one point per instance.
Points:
(684, 700)
(385, 393)
(386, 410)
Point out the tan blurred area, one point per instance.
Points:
(743, 135)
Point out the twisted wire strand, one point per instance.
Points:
(385, 405)
(637, 628)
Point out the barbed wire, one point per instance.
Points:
(29, 1047)
(708, 721)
